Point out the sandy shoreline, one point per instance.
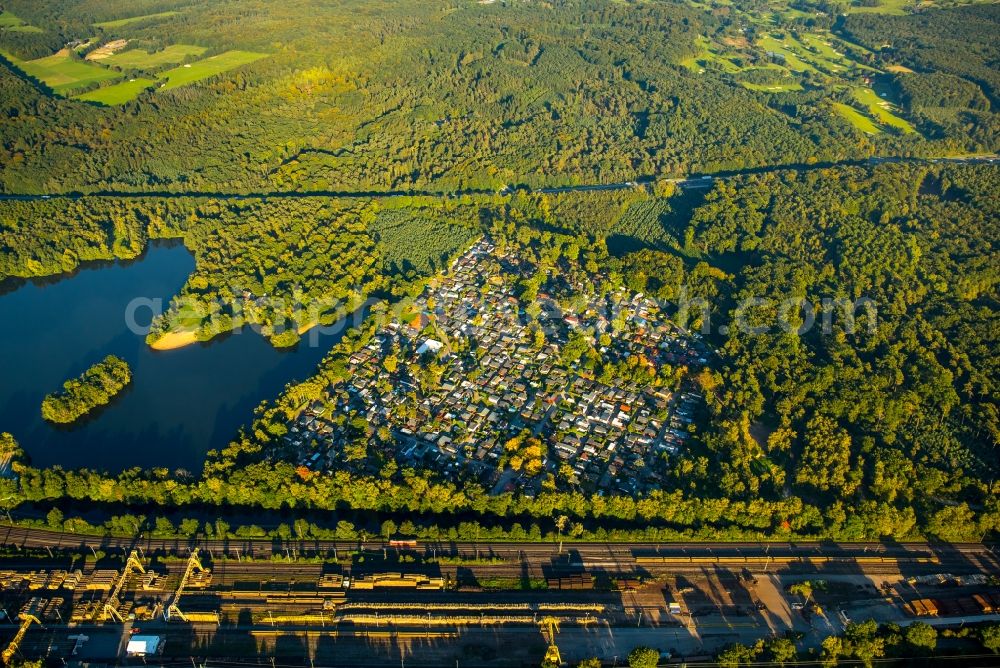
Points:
(174, 340)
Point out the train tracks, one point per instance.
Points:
(454, 554)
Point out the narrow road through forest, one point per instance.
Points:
(690, 181)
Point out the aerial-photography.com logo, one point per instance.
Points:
(300, 318)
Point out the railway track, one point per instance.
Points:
(605, 556)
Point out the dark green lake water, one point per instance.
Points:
(180, 404)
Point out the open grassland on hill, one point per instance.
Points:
(119, 93)
(202, 69)
(13, 23)
(118, 23)
(881, 109)
(856, 118)
(65, 74)
(143, 60)
(61, 72)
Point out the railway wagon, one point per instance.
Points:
(582, 582)
(986, 602)
(403, 543)
(976, 604)
(778, 560)
(397, 581)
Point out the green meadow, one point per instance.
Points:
(119, 93)
(66, 75)
(813, 53)
(143, 60)
(881, 109)
(856, 118)
(786, 49)
(202, 69)
(896, 7)
(708, 57)
(782, 87)
(63, 73)
(13, 23)
(118, 23)
(7, 20)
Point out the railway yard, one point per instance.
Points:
(403, 602)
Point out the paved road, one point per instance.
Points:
(691, 181)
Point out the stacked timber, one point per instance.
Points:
(331, 581)
(578, 581)
(103, 579)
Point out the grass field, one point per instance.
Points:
(811, 53)
(881, 109)
(856, 118)
(118, 93)
(897, 7)
(118, 23)
(142, 60)
(7, 20)
(202, 69)
(65, 75)
(773, 88)
(829, 55)
(14, 23)
(62, 73)
(708, 56)
(24, 28)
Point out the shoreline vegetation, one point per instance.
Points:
(174, 340)
(96, 387)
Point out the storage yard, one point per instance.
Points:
(433, 603)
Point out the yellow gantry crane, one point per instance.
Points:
(550, 626)
(110, 608)
(173, 611)
(26, 621)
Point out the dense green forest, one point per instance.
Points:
(358, 96)
(878, 418)
(955, 82)
(960, 42)
(886, 428)
(94, 388)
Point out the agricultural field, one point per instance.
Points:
(66, 75)
(143, 60)
(63, 73)
(119, 93)
(881, 109)
(13, 23)
(118, 23)
(209, 67)
(856, 118)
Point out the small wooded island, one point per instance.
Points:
(96, 387)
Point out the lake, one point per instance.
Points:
(181, 403)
